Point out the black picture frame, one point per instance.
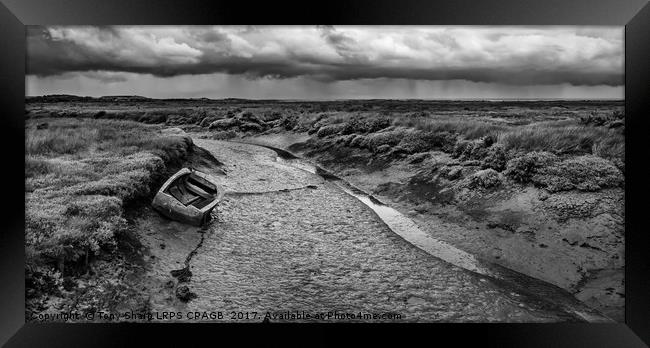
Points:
(633, 14)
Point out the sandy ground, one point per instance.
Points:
(285, 240)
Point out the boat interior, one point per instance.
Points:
(191, 189)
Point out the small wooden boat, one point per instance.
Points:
(188, 196)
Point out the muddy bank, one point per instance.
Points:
(572, 239)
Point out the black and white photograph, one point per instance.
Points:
(325, 173)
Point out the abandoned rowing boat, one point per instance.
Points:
(188, 196)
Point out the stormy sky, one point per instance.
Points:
(325, 62)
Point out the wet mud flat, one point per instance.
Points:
(284, 239)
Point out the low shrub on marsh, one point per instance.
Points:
(289, 122)
(375, 140)
(386, 148)
(584, 173)
(523, 168)
(484, 150)
(496, 158)
(486, 179)
(250, 117)
(344, 140)
(206, 117)
(330, 130)
(225, 124)
(358, 141)
(614, 119)
(59, 231)
(42, 280)
(271, 116)
(451, 172)
(468, 149)
(251, 127)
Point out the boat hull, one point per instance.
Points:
(171, 207)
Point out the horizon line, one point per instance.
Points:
(334, 99)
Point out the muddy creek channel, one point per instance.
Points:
(291, 237)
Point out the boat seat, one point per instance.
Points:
(203, 203)
(182, 195)
(197, 190)
(201, 182)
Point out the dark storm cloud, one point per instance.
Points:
(512, 55)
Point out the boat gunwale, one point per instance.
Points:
(187, 171)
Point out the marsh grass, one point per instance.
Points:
(79, 174)
(469, 129)
(59, 140)
(565, 139)
(562, 137)
(559, 155)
